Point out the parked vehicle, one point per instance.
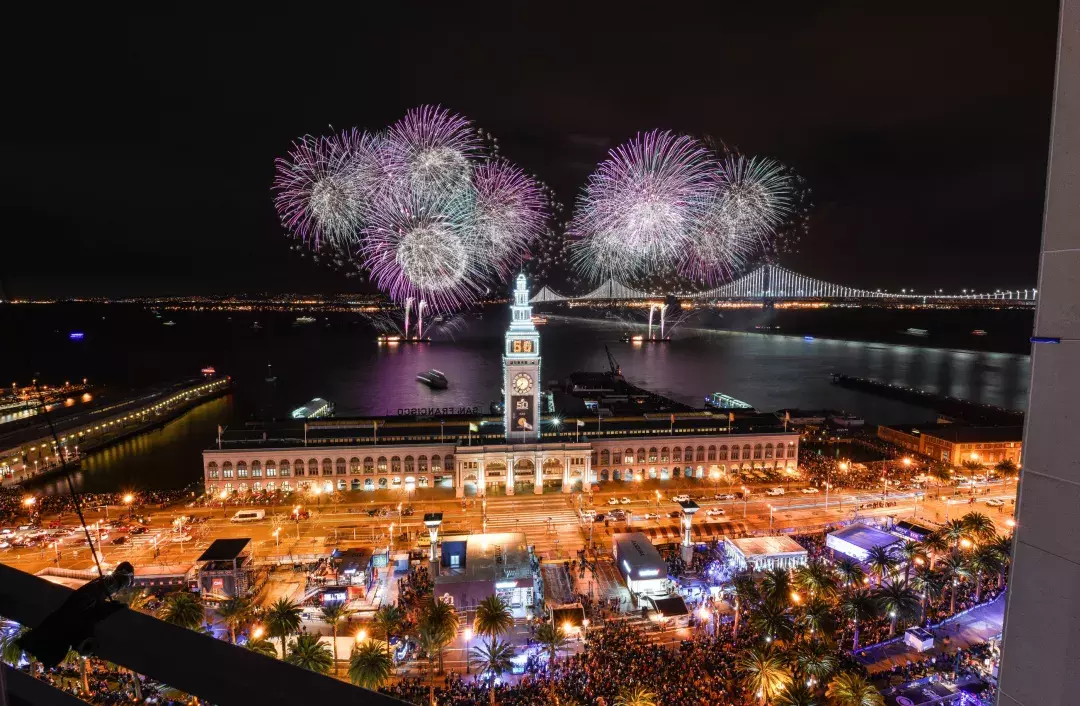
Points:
(715, 512)
(613, 501)
(248, 516)
(624, 501)
(810, 490)
(681, 498)
(995, 502)
(775, 491)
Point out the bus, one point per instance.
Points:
(249, 516)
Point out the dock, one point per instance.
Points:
(952, 407)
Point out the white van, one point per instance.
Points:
(775, 491)
(249, 516)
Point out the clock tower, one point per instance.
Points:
(521, 370)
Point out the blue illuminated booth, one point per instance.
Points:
(641, 566)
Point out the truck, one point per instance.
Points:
(775, 491)
(248, 516)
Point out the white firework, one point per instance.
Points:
(508, 214)
(430, 152)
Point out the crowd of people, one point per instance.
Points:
(13, 506)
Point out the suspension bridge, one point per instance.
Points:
(772, 283)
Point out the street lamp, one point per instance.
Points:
(224, 495)
(361, 636)
(468, 639)
(745, 498)
(770, 516)
(277, 540)
(258, 632)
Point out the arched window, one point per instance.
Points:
(735, 452)
(327, 467)
(448, 463)
(712, 453)
(746, 452)
(271, 470)
(354, 466)
(285, 486)
(628, 456)
(700, 453)
(369, 465)
(312, 467)
(409, 465)
(395, 464)
(723, 452)
(605, 457)
(256, 469)
(665, 453)
(652, 454)
(641, 455)
(676, 454)
(284, 470)
(757, 451)
(688, 454)
(270, 486)
(436, 463)
(791, 450)
(212, 470)
(421, 464)
(768, 450)
(340, 467)
(381, 465)
(241, 469)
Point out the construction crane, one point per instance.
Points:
(616, 369)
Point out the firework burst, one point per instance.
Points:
(325, 185)
(431, 152)
(640, 206)
(509, 214)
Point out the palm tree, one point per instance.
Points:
(234, 613)
(927, 583)
(263, 647)
(935, 544)
(1007, 468)
(816, 579)
(858, 606)
(764, 671)
(881, 562)
(796, 694)
(282, 620)
(493, 658)
(954, 531)
(443, 620)
(898, 602)
(773, 621)
(849, 689)
(333, 614)
(941, 473)
(746, 595)
(635, 696)
(184, 609)
(817, 617)
(908, 551)
(134, 598)
(971, 466)
(430, 642)
(492, 617)
(985, 559)
(10, 652)
(815, 659)
(554, 639)
(850, 572)
(309, 652)
(955, 568)
(388, 620)
(73, 658)
(370, 666)
(1002, 547)
(979, 526)
(776, 586)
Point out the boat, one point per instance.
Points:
(719, 400)
(388, 338)
(433, 379)
(169, 323)
(625, 338)
(270, 377)
(978, 332)
(256, 326)
(917, 332)
(304, 320)
(314, 409)
(539, 320)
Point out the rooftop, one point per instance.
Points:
(488, 557)
(225, 549)
(637, 550)
(767, 546)
(865, 537)
(961, 433)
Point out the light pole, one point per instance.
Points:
(224, 496)
(277, 540)
(468, 639)
(745, 498)
(770, 515)
(296, 516)
(128, 499)
(28, 503)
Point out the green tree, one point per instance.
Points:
(955, 569)
(984, 560)
(850, 572)
(978, 526)
(816, 579)
(941, 473)
(817, 618)
(897, 602)
(492, 617)
(936, 544)
(370, 666)
(234, 612)
(908, 552)
(184, 609)
(954, 531)
(635, 696)
(881, 562)
(764, 673)
(776, 586)
(493, 658)
(1007, 468)
(928, 583)
(815, 659)
(430, 641)
(971, 466)
(263, 647)
(283, 620)
(849, 689)
(858, 607)
(388, 620)
(554, 639)
(796, 694)
(333, 614)
(746, 596)
(1001, 545)
(773, 621)
(309, 652)
(443, 621)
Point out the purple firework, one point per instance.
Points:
(509, 214)
(640, 206)
(429, 152)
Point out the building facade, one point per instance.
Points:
(956, 443)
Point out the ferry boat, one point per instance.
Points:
(388, 338)
(539, 320)
(314, 409)
(170, 322)
(304, 320)
(434, 379)
(719, 400)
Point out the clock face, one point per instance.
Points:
(522, 383)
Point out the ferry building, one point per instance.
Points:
(589, 428)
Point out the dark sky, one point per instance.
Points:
(140, 154)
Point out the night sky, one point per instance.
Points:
(139, 154)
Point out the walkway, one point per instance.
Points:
(972, 628)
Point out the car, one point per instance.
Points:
(682, 498)
(599, 517)
(613, 501)
(407, 512)
(775, 491)
(651, 516)
(588, 513)
(617, 515)
(4, 545)
(674, 513)
(120, 540)
(715, 512)
(810, 490)
(624, 500)
(182, 538)
(724, 496)
(138, 530)
(302, 515)
(372, 511)
(995, 502)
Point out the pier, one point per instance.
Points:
(951, 407)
